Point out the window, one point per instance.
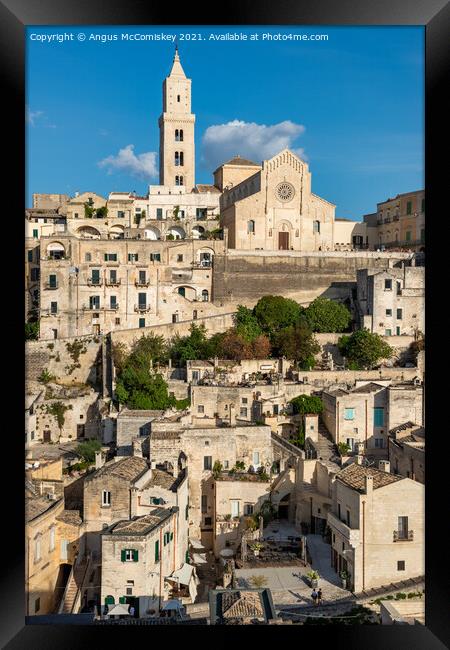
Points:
(399, 314)
(37, 605)
(75, 215)
(378, 416)
(37, 548)
(339, 510)
(94, 302)
(251, 226)
(388, 285)
(110, 257)
(408, 235)
(117, 321)
(244, 400)
(30, 256)
(208, 521)
(157, 550)
(275, 409)
(379, 443)
(200, 408)
(350, 443)
(178, 98)
(106, 498)
(129, 555)
(166, 538)
(129, 591)
(226, 464)
(256, 458)
(248, 508)
(204, 503)
(121, 214)
(142, 277)
(113, 302)
(234, 508)
(53, 307)
(316, 226)
(348, 517)
(142, 300)
(349, 414)
(397, 331)
(401, 565)
(133, 257)
(35, 234)
(388, 332)
(403, 527)
(87, 257)
(155, 257)
(207, 462)
(179, 159)
(409, 207)
(388, 312)
(142, 322)
(51, 545)
(206, 443)
(179, 180)
(95, 277)
(243, 412)
(52, 281)
(179, 258)
(159, 213)
(113, 276)
(205, 295)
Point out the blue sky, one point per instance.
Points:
(353, 106)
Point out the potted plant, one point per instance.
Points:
(344, 578)
(313, 578)
(256, 548)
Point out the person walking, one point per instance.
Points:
(319, 597)
(314, 596)
(131, 611)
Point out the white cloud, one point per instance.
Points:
(32, 116)
(257, 142)
(142, 166)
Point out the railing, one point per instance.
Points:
(404, 244)
(205, 264)
(94, 283)
(142, 308)
(113, 283)
(91, 307)
(143, 283)
(403, 536)
(112, 307)
(48, 285)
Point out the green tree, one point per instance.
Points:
(32, 331)
(274, 313)
(193, 346)
(298, 343)
(152, 347)
(326, 315)
(364, 349)
(246, 324)
(304, 404)
(88, 211)
(140, 388)
(87, 449)
(102, 212)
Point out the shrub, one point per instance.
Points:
(326, 315)
(343, 448)
(87, 450)
(45, 377)
(304, 404)
(364, 349)
(32, 331)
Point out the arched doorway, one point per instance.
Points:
(284, 235)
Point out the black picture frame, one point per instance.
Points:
(15, 15)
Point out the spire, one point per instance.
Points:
(177, 70)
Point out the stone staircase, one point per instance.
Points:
(325, 447)
(74, 584)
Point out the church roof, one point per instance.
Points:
(237, 160)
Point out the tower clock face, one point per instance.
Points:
(285, 192)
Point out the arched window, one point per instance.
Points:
(250, 226)
(179, 159)
(178, 180)
(181, 135)
(205, 295)
(177, 135)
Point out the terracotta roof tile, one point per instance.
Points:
(354, 476)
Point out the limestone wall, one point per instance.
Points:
(61, 363)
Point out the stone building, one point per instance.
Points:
(137, 555)
(406, 451)
(313, 493)
(350, 235)
(399, 223)
(391, 302)
(377, 527)
(51, 547)
(88, 287)
(274, 209)
(366, 413)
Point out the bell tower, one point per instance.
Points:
(176, 130)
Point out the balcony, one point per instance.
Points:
(91, 307)
(112, 307)
(403, 536)
(142, 283)
(113, 283)
(93, 282)
(142, 309)
(350, 534)
(203, 264)
(48, 285)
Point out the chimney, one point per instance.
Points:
(359, 459)
(153, 464)
(216, 363)
(137, 448)
(368, 484)
(99, 459)
(384, 466)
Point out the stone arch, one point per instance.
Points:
(116, 231)
(197, 232)
(187, 292)
(152, 233)
(177, 232)
(56, 250)
(88, 232)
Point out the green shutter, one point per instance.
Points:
(106, 257)
(122, 555)
(123, 600)
(135, 556)
(157, 551)
(187, 556)
(171, 536)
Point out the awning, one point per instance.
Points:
(173, 604)
(119, 610)
(182, 575)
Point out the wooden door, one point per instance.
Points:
(283, 241)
